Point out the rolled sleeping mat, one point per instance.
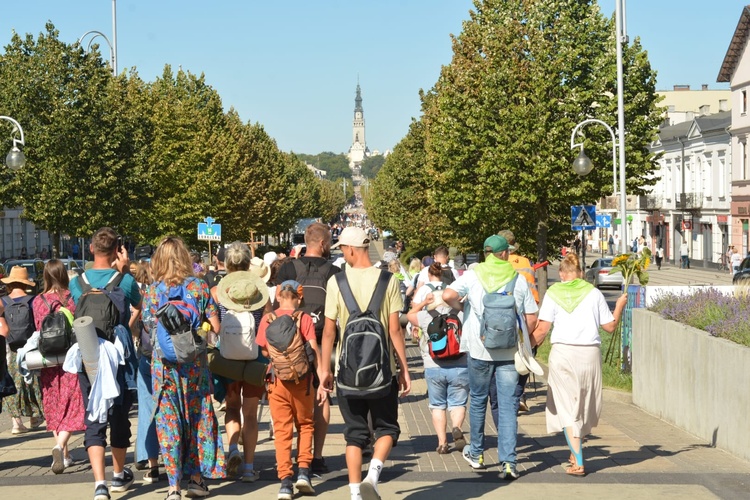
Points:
(35, 360)
(252, 372)
(88, 343)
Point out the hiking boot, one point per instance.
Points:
(303, 484)
(234, 463)
(120, 485)
(101, 492)
(475, 462)
(508, 471)
(196, 490)
(286, 492)
(58, 462)
(152, 476)
(318, 466)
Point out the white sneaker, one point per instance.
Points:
(58, 462)
(369, 489)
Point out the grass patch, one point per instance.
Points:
(612, 377)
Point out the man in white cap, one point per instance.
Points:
(313, 271)
(363, 281)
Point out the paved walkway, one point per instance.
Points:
(630, 455)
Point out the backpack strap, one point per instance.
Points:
(347, 294)
(433, 313)
(434, 287)
(300, 268)
(377, 297)
(510, 287)
(84, 283)
(114, 281)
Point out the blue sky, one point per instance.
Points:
(293, 65)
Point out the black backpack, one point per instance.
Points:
(447, 276)
(214, 277)
(56, 334)
(364, 369)
(106, 306)
(20, 321)
(313, 279)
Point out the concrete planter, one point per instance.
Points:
(693, 380)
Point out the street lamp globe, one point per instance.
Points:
(582, 165)
(15, 160)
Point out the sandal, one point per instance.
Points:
(575, 470)
(443, 449)
(458, 438)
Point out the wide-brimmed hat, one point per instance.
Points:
(525, 362)
(242, 291)
(18, 274)
(260, 268)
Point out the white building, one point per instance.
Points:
(19, 236)
(691, 199)
(358, 150)
(735, 69)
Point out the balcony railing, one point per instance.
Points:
(691, 201)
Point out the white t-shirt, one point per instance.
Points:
(736, 259)
(581, 327)
(424, 276)
(468, 285)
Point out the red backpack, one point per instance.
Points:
(444, 335)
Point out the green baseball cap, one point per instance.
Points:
(495, 244)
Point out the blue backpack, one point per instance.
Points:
(178, 319)
(500, 321)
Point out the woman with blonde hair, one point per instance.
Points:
(186, 425)
(61, 394)
(574, 394)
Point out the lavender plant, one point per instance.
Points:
(721, 315)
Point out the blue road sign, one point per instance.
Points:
(208, 231)
(583, 217)
(603, 220)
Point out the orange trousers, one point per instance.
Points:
(292, 406)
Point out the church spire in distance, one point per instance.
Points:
(358, 100)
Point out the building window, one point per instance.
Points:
(743, 160)
(722, 176)
(743, 104)
(706, 178)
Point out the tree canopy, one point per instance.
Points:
(147, 158)
(496, 126)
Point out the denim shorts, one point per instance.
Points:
(447, 387)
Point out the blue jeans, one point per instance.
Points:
(447, 388)
(146, 443)
(506, 379)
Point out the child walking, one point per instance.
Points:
(287, 338)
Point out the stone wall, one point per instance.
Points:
(697, 382)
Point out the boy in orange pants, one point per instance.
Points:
(287, 338)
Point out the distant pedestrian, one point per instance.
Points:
(611, 244)
(577, 245)
(735, 261)
(684, 255)
(659, 256)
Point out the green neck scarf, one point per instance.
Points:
(494, 273)
(569, 294)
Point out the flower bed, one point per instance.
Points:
(721, 315)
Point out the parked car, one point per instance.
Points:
(35, 268)
(744, 272)
(599, 274)
(71, 264)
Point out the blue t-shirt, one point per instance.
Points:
(98, 278)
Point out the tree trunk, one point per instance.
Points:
(541, 248)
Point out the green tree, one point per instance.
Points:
(371, 165)
(498, 120)
(80, 140)
(332, 200)
(335, 165)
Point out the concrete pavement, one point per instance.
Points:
(630, 455)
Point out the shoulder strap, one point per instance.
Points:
(271, 318)
(511, 286)
(377, 297)
(346, 294)
(433, 313)
(26, 299)
(114, 281)
(6, 300)
(300, 268)
(85, 283)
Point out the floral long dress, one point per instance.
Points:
(186, 424)
(61, 394)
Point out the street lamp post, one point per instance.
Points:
(582, 166)
(97, 34)
(15, 159)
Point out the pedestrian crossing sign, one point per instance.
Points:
(583, 217)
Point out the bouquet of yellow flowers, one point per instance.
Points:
(631, 264)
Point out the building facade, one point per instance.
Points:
(691, 199)
(358, 150)
(735, 70)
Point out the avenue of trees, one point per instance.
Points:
(491, 149)
(147, 158)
